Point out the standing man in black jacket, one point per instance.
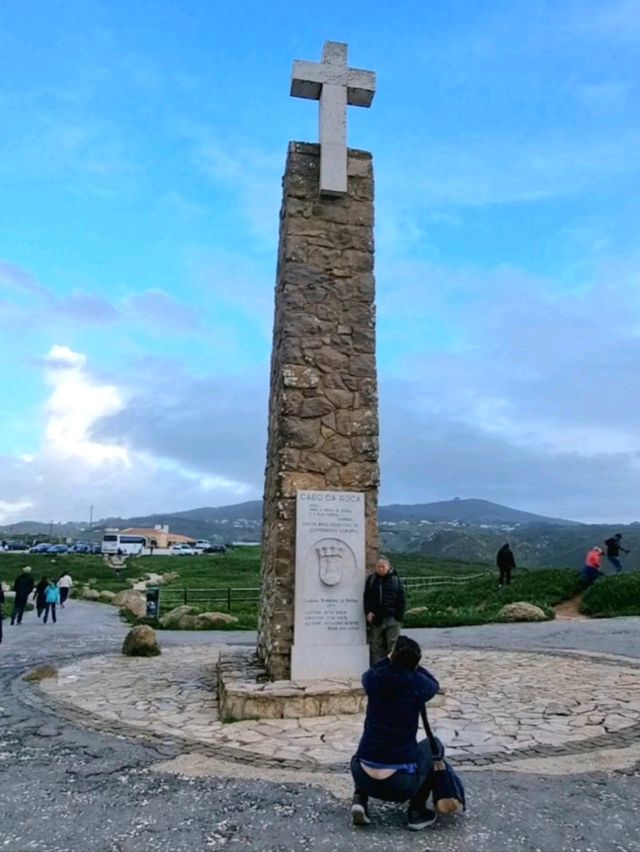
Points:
(613, 551)
(506, 562)
(384, 603)
(23, 587)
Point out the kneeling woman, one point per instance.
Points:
(389, 764)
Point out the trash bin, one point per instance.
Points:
(153, 602)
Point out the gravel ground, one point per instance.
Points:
(65, 789)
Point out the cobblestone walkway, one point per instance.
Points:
(498, 707)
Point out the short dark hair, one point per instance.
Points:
(406, 653)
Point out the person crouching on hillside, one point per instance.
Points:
(389, 764)
(592, 565)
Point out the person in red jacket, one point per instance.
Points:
(592, 566)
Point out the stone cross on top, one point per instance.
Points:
(335, 86)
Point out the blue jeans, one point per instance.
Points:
(401, 786)
(590, 575)
(616, 563)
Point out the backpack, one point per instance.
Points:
(448, 789)
(52, 595)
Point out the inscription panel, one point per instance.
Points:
(329, 624)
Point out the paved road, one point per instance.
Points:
(65, 789)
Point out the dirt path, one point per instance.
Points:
(570, 609)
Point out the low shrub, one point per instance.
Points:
(611, 596)
(479, 601)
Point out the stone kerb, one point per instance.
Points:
(245, 693)
(323, 409)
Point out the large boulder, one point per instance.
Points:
(135, 602)
(522, 611)
(215, 620)
(181, 618)
(141, 641)
(90, 594)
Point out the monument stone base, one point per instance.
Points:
(245, 693)
(341, 661)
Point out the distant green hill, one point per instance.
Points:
(464, 511)
(534, 545)
(466, 530)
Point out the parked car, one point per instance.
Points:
(58, 548)
(182, 550)
(215, 548)
(202, 544)
(17, 545)
(42, 547)
(80, 547)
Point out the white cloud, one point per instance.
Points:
(75, 405)
(159, 453)
(11, 510)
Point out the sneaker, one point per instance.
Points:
(419, 818)
(360, 809)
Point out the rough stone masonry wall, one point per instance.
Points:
(323, 411)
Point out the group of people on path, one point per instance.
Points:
(47, 594)
(591, 571)
(593, 562)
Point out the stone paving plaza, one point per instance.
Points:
(128, 755)
(498, 706)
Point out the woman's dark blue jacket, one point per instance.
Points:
(393, 712)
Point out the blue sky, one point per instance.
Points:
(140, 161)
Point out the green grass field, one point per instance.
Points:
(477, 601)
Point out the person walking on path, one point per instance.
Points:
(384, 603)
(613, 551)
(39, 595)
(389, 764)
(591, 571)
(52, 597)
(506, 562)
(65, 584)
(23, 587)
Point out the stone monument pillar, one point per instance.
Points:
(322, 457)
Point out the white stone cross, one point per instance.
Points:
(335, 86)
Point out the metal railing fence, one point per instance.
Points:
(227, 596)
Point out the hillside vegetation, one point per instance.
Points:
(611, 596)
(476, 601)
(479, 601)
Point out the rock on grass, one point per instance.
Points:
(522, 611)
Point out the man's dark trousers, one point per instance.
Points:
(19, 605)
(505, 576)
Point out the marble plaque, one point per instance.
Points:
(329, 625)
